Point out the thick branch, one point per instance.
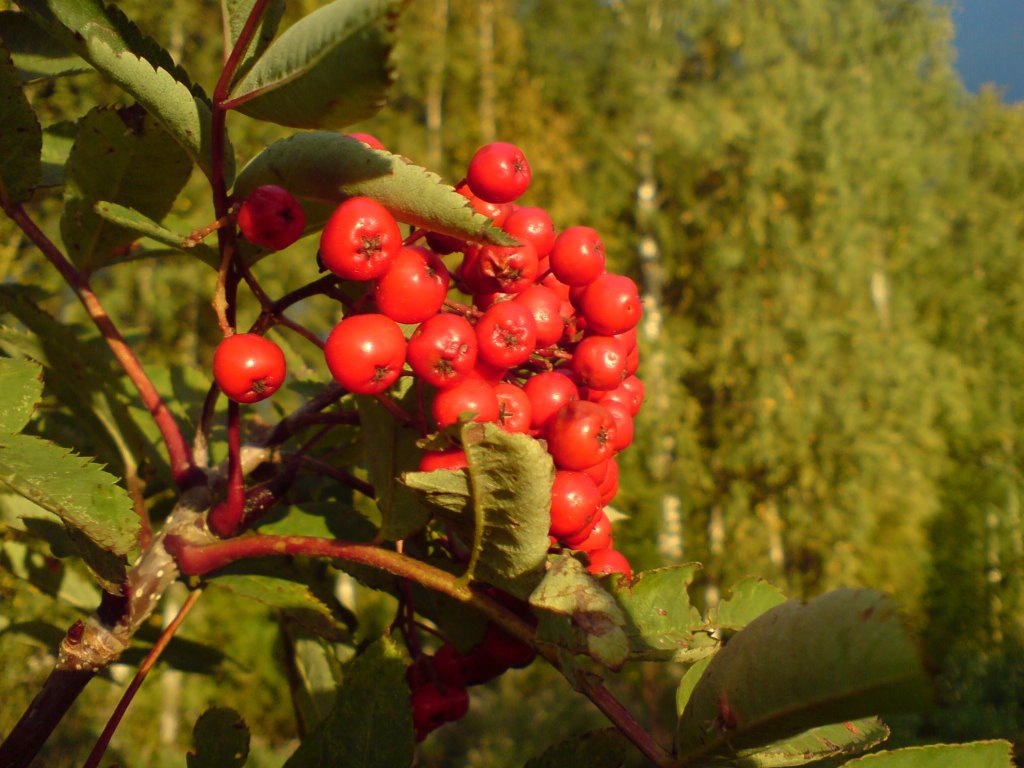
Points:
(198, 560)
(44, 713)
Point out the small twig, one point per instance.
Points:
(290, 424)
(179, 453)
(342, 476)
(147, 664)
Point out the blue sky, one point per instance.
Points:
(990, 44)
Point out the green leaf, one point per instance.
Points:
(293, 597)
(21, 138)
(129, 219)
(220, 739)
(576, 614)
(36, 54)
(51, 577)
(313, 664)
(826, 741)
(599, 749)
(103, 36)
(57, 142)
(21, 389)
(978, 754)
(71, 487)
(842, 656)
(749, 599)
(123, 156)
(390, 449)
(322, 169)
(689, 682)
(371, 723)
(328, 70)
(659, 617)
(234, 14)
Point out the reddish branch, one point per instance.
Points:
(197, 560)
(179, 453)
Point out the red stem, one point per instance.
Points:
(226, 517)
(147, 664)
(179, 453)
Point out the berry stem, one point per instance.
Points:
(129, 694)
(226, 517)
(197, 560)
(179, 454)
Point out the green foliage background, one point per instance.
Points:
(834, 348)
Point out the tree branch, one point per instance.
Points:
(179, 453)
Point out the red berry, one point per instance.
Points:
(270, 216)
(513, 408)
(365, 353)
(414, 287)
(248, 368)
(599, 362)
(545, 306)
(577, 257)
(504, 649)
(368, 139)
(442, 351)
(473, 668)
(532, 225)
(607, 561)
(469, 395)
(548, 392)
(575, 501)
(498, 172)
(506, 334)
(581, 435)
(507, 269)
(453, 458)
(610, 485)
(610, 305)
(360, 240)
(433, 705)
(496, 212)
(623, 423)
(597, 536)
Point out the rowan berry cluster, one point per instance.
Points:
(537, 337)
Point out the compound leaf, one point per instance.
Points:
(370, 725)
(321, 169)
(123, 156)
(72, 487)
(104, 37)
(220, 739)
(328, 70)
(21, 138)
(21, 388)
(842, 656)
(129, 219)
